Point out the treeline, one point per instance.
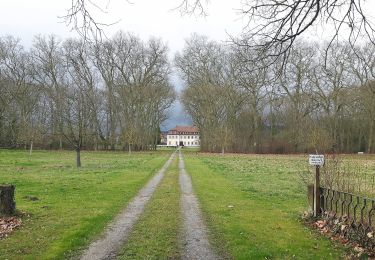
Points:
(116, 93)
(322, 98)
(63, 94)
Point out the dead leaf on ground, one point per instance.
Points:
(7, 225)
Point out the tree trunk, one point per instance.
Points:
(60, 143)
(78, 151)
(129, 148)
(360, 141)
(7, 203)
(31, 148)
(370, 137)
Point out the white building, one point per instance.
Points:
(183, 136)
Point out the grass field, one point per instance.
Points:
(253, 205)
(73, 205)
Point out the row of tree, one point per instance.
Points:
(321, 98)
(117, 92)
(70, 93)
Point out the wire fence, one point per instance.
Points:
(350, 176)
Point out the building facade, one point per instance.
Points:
(183, 136)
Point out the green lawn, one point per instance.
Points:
(253, 206)
(156, 234)
(74, 205)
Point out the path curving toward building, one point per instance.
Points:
(195, 238)
(119, 230)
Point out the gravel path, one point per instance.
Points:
(116, 233)
(195, 239)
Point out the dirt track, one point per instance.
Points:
(117, 233)
(195, 238)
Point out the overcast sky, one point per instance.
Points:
(145, 18)
(26, 18)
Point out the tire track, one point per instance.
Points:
(118, 232)
(195, 238)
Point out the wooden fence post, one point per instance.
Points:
(7, 203)
(310, 195)
(317, 192)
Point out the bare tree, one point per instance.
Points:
(103, 58)
(363, 66)
(50, 72)
(141, 83)
(78, 106)
(15, 66)
(296, 87)
(276, 24)
(81, 19)
(211, 95)
(331, 81)
(272, 27)
(254, 79)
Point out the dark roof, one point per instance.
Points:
(184, 129)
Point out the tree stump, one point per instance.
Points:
(7, 203)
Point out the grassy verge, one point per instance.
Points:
(69, 206)
(156, 234)
(252, 205)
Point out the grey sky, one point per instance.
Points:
(25, 18)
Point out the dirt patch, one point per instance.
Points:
(31, 198)
(195, 238)
(118, 232)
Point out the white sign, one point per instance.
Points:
(316, 159)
